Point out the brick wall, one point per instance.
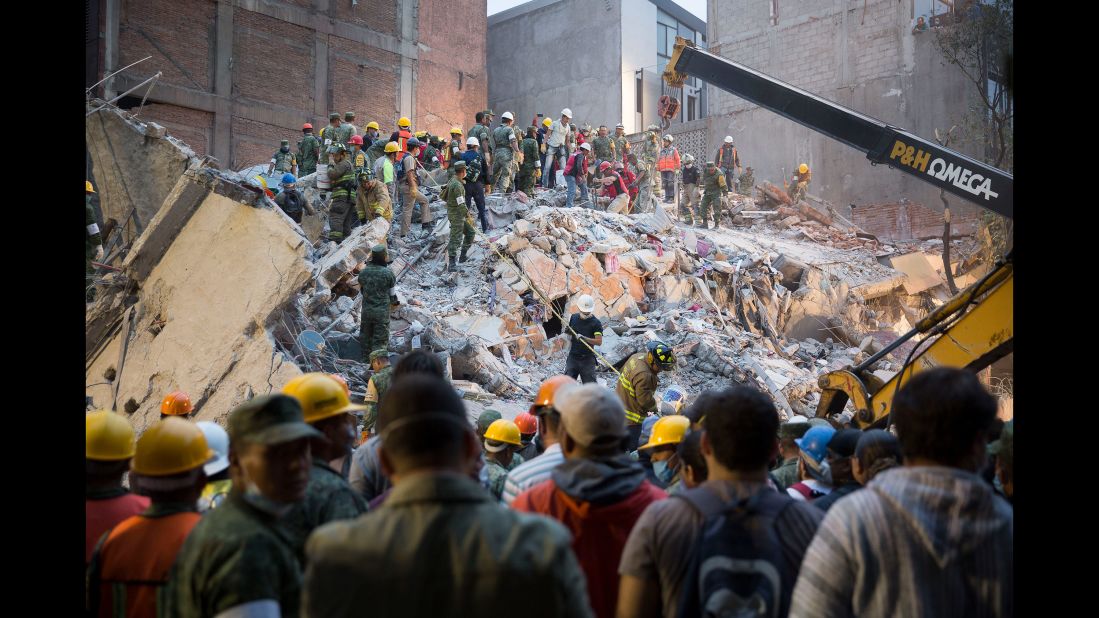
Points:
(363, 79)
(379, 15)
(255, 142)
(910, 221)
(194, 127)
(272, 61)
(452, 83)
(178, 35)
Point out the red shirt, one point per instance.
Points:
(599, 533)
(104, 514)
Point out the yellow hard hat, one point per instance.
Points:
(321, 397)
(108, 436)
(372, 125)
(505, 431)
(668, 430)
(456, 131)
(392, 147)
(547, 122)
(88, 187)
(404, 122)
(171, 446)
(803, 168)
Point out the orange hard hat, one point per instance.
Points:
(548, 388)
(526, 422)
(176, 403)
(337, 377)
(356, 139)
(306, 126)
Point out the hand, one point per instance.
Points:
(98, 252)
(537, 174)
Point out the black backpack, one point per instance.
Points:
(736, 568)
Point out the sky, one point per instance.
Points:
(698, 7)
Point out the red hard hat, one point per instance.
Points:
(357, 139)
(604, 166)
(306, 126)
(526, 422)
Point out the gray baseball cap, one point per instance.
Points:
(269, 419)
(590, 413)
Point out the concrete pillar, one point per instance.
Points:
(406, 102)
(111, 48)
(223, 85)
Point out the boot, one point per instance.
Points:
(462, 258)
(451, 267)
(427, 227)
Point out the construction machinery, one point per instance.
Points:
(971, 330)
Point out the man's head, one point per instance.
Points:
(813, 453)
(586, 304)
(306, 128)
(391, 150)
(334, 119)
(404, 123)
(586, 147)
(419, 361)
(549, 419)
(472, 143)
(176, 403)
(379, 255)
(480, 117)
(693, 469)
(728, 140)
(284, 145)
(532, 131)
(507, 118)
(740, 424)
(619, 130)
(356, 142)
(108, 447)
(485, 420)
(1004, 450)
(546, 122)
(269, 452)
(667, 140)
(372, 129)
(337, 152)
(489, 115)
(423, 426)
(660, 356)
(349, 116)
(664, 441)
(790, 431)
(379, 359)
(876, 451)
(919, 21)
(748, 170)
(688, 159)
(528, 426)
(460, 169)
(942, 417)
(593, 421)
(711, 166)
(566, 115)
(413, 146)
(602, 130)
(169, 460)
(288, 181)
(841, 451)
(501, 440)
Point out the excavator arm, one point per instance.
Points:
(971, 330)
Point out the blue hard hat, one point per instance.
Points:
(815, 442)
(288, 179)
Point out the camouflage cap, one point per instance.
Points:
(488, 112)
(378, 248)
(269, 419)
(793, 429)
(334, 116)
(487, 418)
(285, 142)
(459, 165)
(379, 355)
(349, 114)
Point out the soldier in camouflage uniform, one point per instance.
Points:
(93, 242)
(283, 160)
(329, 135)
(531, 164)
(348, 121)
(507, 145)
(603, 147)
(376, 386)
(239, 554)
(500, 457)
(308, 151)
(376, 283)
(341, 215)
(484, 140)
(344, 132)
(746, 182)
(713, 180)
(649, 151)
(462, 231)
(621, 144)
(786, 474)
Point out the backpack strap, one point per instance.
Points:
(802, 489)
(706, 502)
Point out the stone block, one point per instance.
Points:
(548, 276)
(566, 260)
(524, 227)
(576, 281)
(590, 265)
(516, 244)
(543, 243)
(561, 248)
(624, 307)
(153, 129)
(610, 289)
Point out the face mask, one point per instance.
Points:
(663, 472)
(253, 496)
(285, 149)
(584, 316)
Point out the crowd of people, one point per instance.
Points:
(309, 504)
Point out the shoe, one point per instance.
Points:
(462, 258)
(451, 267)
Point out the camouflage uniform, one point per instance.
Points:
(453, 152)
(375, 388)
(375, 151)
(429, 161)
(284, 161)
(329, 135)
(502, 156)
(92, 240)
(745, 183)
(341, 219)
(480, 131)
(496, 474)
(603, 148)
(714, 182)
(376, 283)
(307, 154)
(344, 133)
(647, 161)
(786, 474)
(620, 143)
(459, 217)
(525, 180)
(328, 497)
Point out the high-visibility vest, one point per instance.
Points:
(403, 136)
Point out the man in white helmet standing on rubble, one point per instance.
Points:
(587, 332)
(556, 150)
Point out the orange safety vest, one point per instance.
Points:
(136, 558)
(402, 139)
(668, 162)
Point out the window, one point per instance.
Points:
(691, 113)
(639, 91)
(664, 18)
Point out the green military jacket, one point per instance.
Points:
(649, 151)
(329, 135)
(376, 283)
(501, 139)
(92, 236)
(496, 474)
(620, 146)
(236, 554)
(714, 181)
(284, 161)
(328, 497)
(307, 151)
(787, 473)
(344, 133)
(354, 130)
(603, 147)
(430, 154)
(529, 148)
(454, 194)
(745, 183)
(441, 546)
(376, 150)
(480, 131)
(375, 388)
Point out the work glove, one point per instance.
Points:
(537, 174)
(98, 252)
(543, 148)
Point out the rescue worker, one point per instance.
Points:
(668, 164)
(786, 474)
(341, 214)
(239, 559)
(615, 186)
(799, 183)
(376, 148)
(283, 160)
(713, 181)
(309, 150)
(556, 148)
(586, 332)
(291, 201)
(480, 131)
(329, 135)
(409, 184)
(576, 175)
(370, 134)
(348, 121)
(453, 151)
(628, 176)
(649, 152)
(402, 134)
(385, 169)
(603, 146)
(108, 447)
(637, 385)
(218, 483)
(131, 563)
(641, 182)
(176, 403)
(376, 283)
(501, 444)
(328, 497)
(621, 144)
(373, 199)
(462, 231)
(746, 182)
(688, 201)
(663, 462)
(356, 154)
(531, 168)
(484, 421)
(548, 442)
(429, 156)
(376, 387)
(93, 242)
(475, 188)
(728, 160)
(528, 428)
(507, 145)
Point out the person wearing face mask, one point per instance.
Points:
(329, 497)
(813, 470)
(283, 160)
(668, 432)
(841, 456)
(238, 559)
(587, 332)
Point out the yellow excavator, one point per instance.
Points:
(971, 330)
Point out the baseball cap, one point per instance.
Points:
(590, 413)
(269, 419)
(487, 418)
(843, 443)
(794, 428)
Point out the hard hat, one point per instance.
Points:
(688, 158)
(586, 146)
(170, 446)
(456, 131)
(619, 126)
(669, 138)
(604, 166)
(337, 377)
(668, 430)
(803, 168)
(472, 141)
(505, 431)
(218, 441)
(392, 147)
(507, 116)
(320, 397)
(306, 126)
(548, 388)
(586, 304)
(526, 422)
(372, 125)
(356, 139)
(176, 403)
(107, 436)
(728, 139)
(815, 442)
(566, 112)
(420, 134)
(661, 355)
(547, 122)
(88, 187)
(288, 179)
(404, 122)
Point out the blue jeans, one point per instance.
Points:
(557, 154)
(571, 191)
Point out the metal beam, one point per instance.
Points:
(110, 53)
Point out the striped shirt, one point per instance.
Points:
(917, 541)
(530, 473)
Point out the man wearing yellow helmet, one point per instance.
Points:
(93, 243)
(108, 447)
(501, 444)
(799, 183)
(402, 134)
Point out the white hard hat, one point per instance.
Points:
(619, 126)
(586, 304)
(797, 418)
(507, 116)
(728, 139)
(586, 146)
(472, 141)
(218, 441)
(566, 112)
(669, 138)
(689, 158)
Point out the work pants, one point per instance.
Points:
(558, 155)
(503, 173)
(584, 368)
(461, 232)
(668, 179)
(619, 204)
(729, 172)
(475, 192)
(525, 181)
(570, 192)
(634, 432)
(688, 201)
(409, 198)
(374, 330)
(341, 218)
(711, 204)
